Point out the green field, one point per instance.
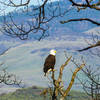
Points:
(33, 93)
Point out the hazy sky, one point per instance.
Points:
(7, 9)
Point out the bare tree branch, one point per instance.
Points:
(80, 19)
(72, 81)
(12, 4)
(62, 68)
(82, 5)
(92, 46)
(92, 6)
(9, 79)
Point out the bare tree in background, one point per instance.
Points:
(7, 78)
(94, 45)
(40, 16)
(92, 86)
(91, 46)
(90, 82)
(80, 5)
(84, 5)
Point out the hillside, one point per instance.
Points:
(33, 93)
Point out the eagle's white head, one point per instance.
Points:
(53, 52)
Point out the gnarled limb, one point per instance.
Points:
(72, 81)
(80, 19)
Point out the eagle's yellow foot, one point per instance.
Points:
(46, 74)
(49, 70)
(54, 70)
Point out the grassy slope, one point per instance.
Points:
(33, 93)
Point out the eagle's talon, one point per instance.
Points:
(54, 70)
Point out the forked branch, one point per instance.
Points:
(72, 81)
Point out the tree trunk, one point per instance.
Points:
(54, 97)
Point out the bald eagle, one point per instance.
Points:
(49, 62)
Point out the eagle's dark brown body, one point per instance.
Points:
(49, 63)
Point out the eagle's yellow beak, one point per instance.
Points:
(55, 51)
